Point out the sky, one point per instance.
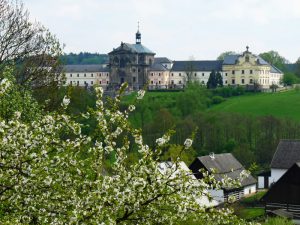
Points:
(177, 29)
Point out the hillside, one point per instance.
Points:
(283, 104)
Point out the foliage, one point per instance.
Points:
(215, 80)
(194, 98)
(217, 99)
(297, 67)
(51, 173)
(13, 100)
(29, 45)
(84, 58)
(229, 91)
(278, 221)
(275, 59)
(224, 54)
(290, 78)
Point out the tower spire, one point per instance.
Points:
(138, 36)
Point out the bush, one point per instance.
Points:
(217, 99)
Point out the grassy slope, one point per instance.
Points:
(284, 104)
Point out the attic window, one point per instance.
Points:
(70, 75)
(180, 74)
(247, 59)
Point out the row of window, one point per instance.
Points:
(243, 72)
(92, 75)
(86, 83)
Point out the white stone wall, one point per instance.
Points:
(275, 78)
(261, 182)
(180, 77)
(249, 189)
(158, 79)
(87, 78)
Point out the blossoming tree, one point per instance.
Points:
(50, 173)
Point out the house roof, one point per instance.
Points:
(286, 190)
(135, 48)
(162, 60)
(224, 164)
(157, 67)
(232, 60)
(287, 153)
(275, 69)
(207, 65)
(85, 68)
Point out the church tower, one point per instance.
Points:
(138, 36)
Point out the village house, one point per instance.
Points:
(283, 198)
(224, 165)
(168, 166)
(286, 155)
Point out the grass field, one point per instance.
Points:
(283, 104)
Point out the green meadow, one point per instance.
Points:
(279, 104)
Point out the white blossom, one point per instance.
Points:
(188, 143)
(131, 108)
(66, 101)
(140, 94)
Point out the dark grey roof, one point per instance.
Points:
(85, 68)
(261, 61)
(225, 164)
(197, 65)
(287, 153)
(135, 48)
(157, 67)
(275, 69)
(162, 60)
(232, 60)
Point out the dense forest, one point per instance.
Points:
(84, 58)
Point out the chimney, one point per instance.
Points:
(212, 155)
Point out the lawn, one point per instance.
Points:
(282, 104)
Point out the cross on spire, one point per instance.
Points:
(138, 36)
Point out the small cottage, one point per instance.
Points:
(224, 165)
(284, 195)
(286, 155)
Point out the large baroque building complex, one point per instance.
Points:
(138, 66)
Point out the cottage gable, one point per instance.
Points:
(287, 153)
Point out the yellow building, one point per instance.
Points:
(248, 69)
